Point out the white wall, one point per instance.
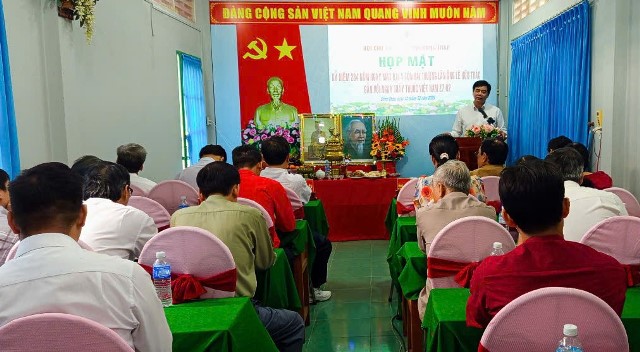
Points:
(74, 99)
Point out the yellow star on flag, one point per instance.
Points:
(285, 49)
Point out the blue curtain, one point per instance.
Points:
(193, 106)
(9, 156)
(550, 83)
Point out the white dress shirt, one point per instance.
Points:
(144, 184)
(115, 229)
(52, 274)
(189, 174)
(588, 207)
(7, 237)
(469, 116)
(295, 183)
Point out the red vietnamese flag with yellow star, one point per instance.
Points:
(266, 51)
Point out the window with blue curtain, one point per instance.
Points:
(550, 83)
(194, 119)
(9, 157)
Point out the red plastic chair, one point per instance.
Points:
(169, 193)
(629, 200)
(155, 210)
(14, 249)
(191, 251)
(52, 332)
(491, 187)
(534, 321)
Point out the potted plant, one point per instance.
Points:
(81, 10)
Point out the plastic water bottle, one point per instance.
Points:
(183, 202)
(162, 279)
(327, 168)
(502, 222)
(497, 249)
(570, 342)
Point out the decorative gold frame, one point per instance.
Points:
(371, 128)
(308, 120)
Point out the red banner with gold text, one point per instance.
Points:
(323, 13)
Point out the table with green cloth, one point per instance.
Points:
(404, 230)
(446, 328)
(298, 239)
(392, 215)
(222, 324)
(413, 273)
(276, 286)
(316, 217)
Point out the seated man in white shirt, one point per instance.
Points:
(112, 227)
(275, 152)
(83, 164)
(208, 154)
(52, 274)
(589, 206)
(478, 113)
(132, 156)
(7, 237)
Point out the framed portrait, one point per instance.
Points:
(314, 134)
(357, 131)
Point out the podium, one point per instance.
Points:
(468, 146)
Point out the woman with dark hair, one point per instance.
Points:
(443, 148)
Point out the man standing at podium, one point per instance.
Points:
(478, 113)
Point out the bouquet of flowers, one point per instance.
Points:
(388, 143)
(485, 132)
(252, 135)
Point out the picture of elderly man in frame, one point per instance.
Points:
(356, 132)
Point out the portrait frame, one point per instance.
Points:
(369, 121)
(310, 150)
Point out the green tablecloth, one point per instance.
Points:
(446, 329)
(316, 217)
(413, 275)
(404, 230)
(276, 286)
(392, 215)
(224, 324)
(297, 240)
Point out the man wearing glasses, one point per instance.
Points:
(112, 227)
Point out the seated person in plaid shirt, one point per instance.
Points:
(7, 237)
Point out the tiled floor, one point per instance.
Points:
(358, 316)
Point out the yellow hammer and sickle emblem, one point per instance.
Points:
(258, 52)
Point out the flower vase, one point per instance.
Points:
(66, 8)
(388, 165)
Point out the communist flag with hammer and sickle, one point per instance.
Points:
(265, 51)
